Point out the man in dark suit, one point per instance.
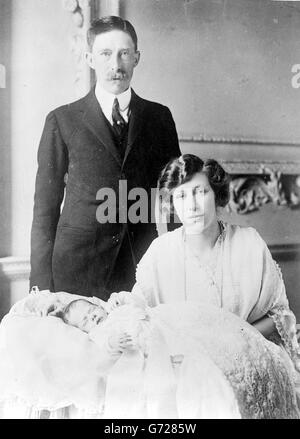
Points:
(110, 135)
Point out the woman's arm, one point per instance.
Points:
(265, 326)
(273, 303)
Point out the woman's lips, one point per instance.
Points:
(196, 216)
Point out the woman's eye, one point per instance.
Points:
(106, 53)
(181, 195)
(202, 191)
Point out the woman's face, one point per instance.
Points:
(194, 203)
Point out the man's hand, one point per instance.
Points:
(55, 310)
(52, 307)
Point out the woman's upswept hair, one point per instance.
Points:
(182, 169)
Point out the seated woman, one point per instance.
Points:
(209, 291)
(207, 261)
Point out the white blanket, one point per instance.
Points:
(228, 371)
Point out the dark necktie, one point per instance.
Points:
(119, 123)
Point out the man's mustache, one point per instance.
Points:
(116, 75)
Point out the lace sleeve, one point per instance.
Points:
(285, 322)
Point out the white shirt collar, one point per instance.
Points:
(106, 101)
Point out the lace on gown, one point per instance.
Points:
(285, 322)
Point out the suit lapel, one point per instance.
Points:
(94, 118)
(136, 122)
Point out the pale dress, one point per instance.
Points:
(241, 277)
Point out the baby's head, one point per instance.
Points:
(83, 314)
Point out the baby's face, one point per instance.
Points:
(86, 316)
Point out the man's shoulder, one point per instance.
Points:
(153, 103)
(156, 106)
(77, 105)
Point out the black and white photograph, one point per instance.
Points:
(149, 212)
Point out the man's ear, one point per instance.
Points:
(137, 58)
(89, 59)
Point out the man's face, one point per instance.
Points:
(113, 57)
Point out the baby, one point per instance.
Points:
(124, 337)
(83, 314)
(118, 331)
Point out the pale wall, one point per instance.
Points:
(222, 66)
(35, 48)
(5, 132)
(42, 77)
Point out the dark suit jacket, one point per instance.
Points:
(70, 250)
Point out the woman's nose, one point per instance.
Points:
(197, 203)
(191, 203)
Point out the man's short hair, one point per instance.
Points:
(109, 23)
